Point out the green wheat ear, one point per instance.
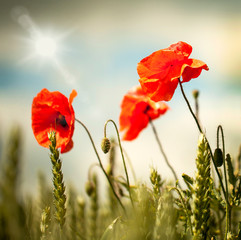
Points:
(59, 188)
(12, 216)
(201, 198)
(81, 216)
(45, 222)
(72, 213)
(92, 191)
(166, 218)
(156, 182)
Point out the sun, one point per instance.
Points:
(45, 46)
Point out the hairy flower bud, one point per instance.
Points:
(195, 93)
(105, 145)
(89, 188)
(218, 157)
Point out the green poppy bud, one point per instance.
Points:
(218, 157)
(89, 188)
(120, 191)
(195, 93)
(105, 145)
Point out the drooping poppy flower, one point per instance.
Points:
(52, 111)
(137, 109)
(160, 71)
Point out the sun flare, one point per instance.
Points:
(45, 47)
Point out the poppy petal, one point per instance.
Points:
(182, 48)
(137, 109)
(136, 122)
(159, 90)
(158, 63)
(159, 72)
(193, 69)
(68, 147)
(52, 111)
(72, 95)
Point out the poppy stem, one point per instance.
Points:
(129, 162)
(195, 95)
(201, 131)
(163, 153)
(190, 108)
(122, 155)
(228, 210)
(101, 165)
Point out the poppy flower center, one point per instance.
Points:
(147, 109)
(61, 120)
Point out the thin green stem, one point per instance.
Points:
(162, 151)
(228, 215)
(128, 160)
(130, 164)
(201, 131)
(122, 155)
(190, 108)
(197, 109)
(101, 165)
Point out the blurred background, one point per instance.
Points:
(94, 47)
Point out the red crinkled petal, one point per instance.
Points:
(43, 121)
(55, 100)
(156, 109)
(161, 63)
(127, 108)
(72, 95)
(136, 111)
(159, 90)
(160, 71)
(46, 108)
(68, 147)
(135, 122)
(182, 48)
(192, 69)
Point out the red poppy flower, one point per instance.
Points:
(137, 109)
(160, 71)
(52, 111)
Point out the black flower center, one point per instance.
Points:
(147, 109)
(61, 120)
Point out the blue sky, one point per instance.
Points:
(99, 46)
